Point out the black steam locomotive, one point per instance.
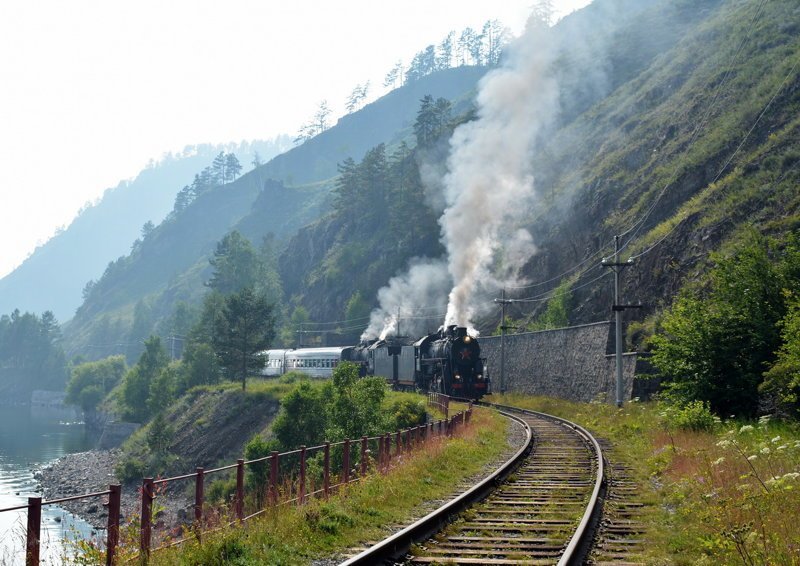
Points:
(448, 362)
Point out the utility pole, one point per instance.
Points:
(618, 308)
(503, 302)
(398, 322)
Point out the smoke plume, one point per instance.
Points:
(489, 186)
(417, 295)
(486, 193)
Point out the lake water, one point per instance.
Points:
(31, 437)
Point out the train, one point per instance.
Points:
(448, 361)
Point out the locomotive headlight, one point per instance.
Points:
(480, 376)
(457, 376)
(467, 339)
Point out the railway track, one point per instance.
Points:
(536, 509)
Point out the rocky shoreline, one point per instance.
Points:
(93, 471)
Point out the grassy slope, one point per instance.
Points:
(673, 128)
(294, 535)
(730, 496)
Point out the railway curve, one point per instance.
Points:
(539, 507)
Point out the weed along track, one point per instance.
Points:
(538, 508)
(619, 539)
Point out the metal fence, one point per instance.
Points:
(286, 481)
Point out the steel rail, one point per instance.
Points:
(580, 540)
(399, 543)
(575, 550)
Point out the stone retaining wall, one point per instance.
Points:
(573, 363)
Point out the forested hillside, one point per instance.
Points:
(168, 266)
(673, 125)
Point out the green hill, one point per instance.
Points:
(675, 126)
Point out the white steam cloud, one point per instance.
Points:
(488, 190)
(416, 295)
(489, 187)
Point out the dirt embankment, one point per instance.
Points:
(209, 429)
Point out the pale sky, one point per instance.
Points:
(91, 90)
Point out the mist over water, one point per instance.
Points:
(31, 437)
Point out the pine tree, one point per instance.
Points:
(218, 169)
(245, 328)
(232, 167)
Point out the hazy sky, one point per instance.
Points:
(93, 89)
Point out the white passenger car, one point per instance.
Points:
(314, 362)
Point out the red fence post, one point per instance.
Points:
(239, 489)
(363, 456)
(301, 497)
(326, 477)
(273, 479)
(199, 497)
(346, 461)
(112, 528)
(34, 531)
(147, 506)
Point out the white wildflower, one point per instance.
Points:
(765, 450)
(745, 428)
(724, 443)
(753, 457)
(718, 461)
(776, 440)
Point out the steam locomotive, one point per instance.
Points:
(448, 361)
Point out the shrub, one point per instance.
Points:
(406, 413)
(258, 473)
(292, 377)
(221, 491)
(130, 469)
(693, 415)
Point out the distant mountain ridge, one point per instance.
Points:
(53, 276)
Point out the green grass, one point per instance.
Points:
(296, 535)
(728, 496)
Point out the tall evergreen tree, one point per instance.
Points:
(236, 264)
(218, 169)
(137, 382)
(245, 328)
(232, 167)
